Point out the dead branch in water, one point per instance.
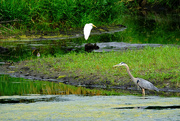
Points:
(2, 22)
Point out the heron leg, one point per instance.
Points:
(143, 92)
(138, 88)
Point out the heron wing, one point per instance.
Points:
(87, 31)
(146, 84)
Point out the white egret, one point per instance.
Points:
(87, 30)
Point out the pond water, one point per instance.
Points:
(73, 107)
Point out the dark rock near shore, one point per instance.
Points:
(90, 47)
(3, 50)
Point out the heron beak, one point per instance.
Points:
(94, 26)
(116, 65)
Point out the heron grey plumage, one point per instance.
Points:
(142, 83)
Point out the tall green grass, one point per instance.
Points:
(53, 15)
(20, 86)
(158, 65)
(56, 15)
(151, 28)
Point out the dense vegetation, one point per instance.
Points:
(54, 15)
(58, 14)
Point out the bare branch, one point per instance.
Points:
(5, 27)
(2, 22)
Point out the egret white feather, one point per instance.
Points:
(87, 30)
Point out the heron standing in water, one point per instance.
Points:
(143, 84)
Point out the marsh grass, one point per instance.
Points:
(40, 18)
(20, 86)
(48, 15)
(158, 65)
(59, 16)
(151, 28)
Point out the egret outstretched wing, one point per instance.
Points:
(87, 30)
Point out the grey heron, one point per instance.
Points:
(142, 83)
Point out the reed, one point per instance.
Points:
(48, 15)
(58, 16)
(20, 86)
(54, 15)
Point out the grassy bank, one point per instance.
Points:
(160, 65)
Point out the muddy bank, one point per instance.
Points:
(90, 81)
(21, 71)
(61, 35)
(119, 46)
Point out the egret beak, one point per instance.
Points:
(94, 26)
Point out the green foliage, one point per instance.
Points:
(168, 3)
(152, 28)
(154, 64)
(20, 86)
(59, 14)
(56, 15)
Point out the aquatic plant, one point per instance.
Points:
(20, 86)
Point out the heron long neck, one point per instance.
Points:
(129, 72)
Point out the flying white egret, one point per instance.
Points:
(87, 30)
